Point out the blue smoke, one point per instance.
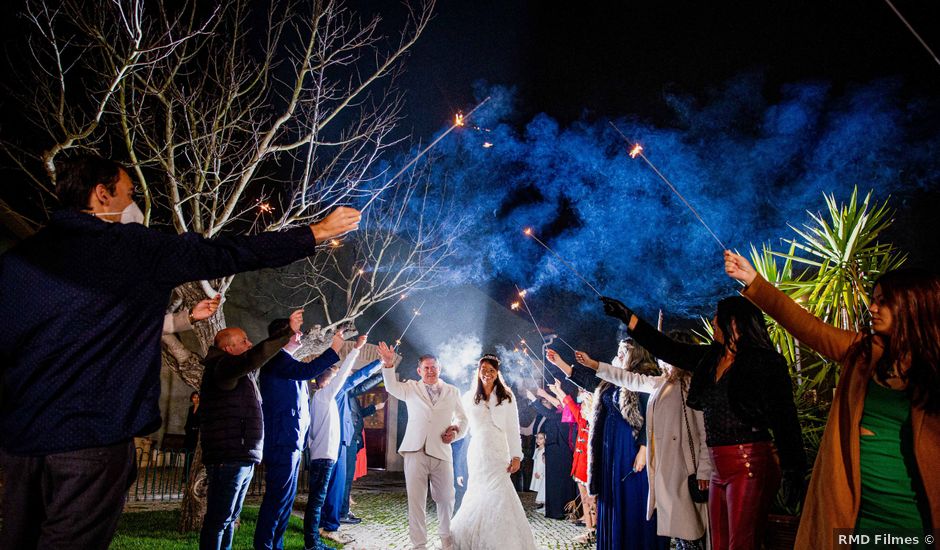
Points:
(749, 164)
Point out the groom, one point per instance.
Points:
(435, 420)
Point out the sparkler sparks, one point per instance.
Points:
(529, 233)
(415, 315)
(265, 208)
(459, 120)
(636, 150)
(487, 144)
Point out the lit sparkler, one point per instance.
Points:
(487, 144)
(265, 208)
(398, 301)
(459, 120)
(525, 351)
(636, 150)
(529, 233)
(538, 329)
(414, 316)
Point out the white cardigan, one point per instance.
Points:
(668, 457)
(505, 416)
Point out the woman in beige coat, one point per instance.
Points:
(669, 457)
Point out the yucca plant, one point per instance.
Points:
(830, 269)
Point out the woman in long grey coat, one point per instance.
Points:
(670, 459)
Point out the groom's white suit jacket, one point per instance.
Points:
(427, 421)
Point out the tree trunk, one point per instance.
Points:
(188, 367)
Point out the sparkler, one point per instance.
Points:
(398, 301)
(636, 150)
(417, 312)
(459, 120)
(910, 28)
(566, 343)
(525, 351)
(522, 294)
(529, 233)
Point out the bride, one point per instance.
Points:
(491, 515)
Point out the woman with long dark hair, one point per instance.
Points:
(493, 455)
(742, 385)
(878, 467)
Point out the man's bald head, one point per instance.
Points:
(232, 341)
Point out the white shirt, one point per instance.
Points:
(324, 436)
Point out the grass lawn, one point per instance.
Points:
(156, 530)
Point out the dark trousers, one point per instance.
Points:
(227, 485)
(351, 455)
(321, 470)
(281, 466)
(65, 500)
(333, 505)
(743, 486)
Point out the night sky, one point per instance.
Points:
(616, 58)
(685, 75)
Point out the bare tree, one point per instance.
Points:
(233, 118)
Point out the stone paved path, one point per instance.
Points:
(382, 504)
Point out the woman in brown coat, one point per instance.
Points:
(878, 467)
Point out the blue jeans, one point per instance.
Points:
(280, 487)
(227, 485)
(321, 469)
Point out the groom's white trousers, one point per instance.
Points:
(419, 469)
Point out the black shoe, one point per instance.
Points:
(350, 520)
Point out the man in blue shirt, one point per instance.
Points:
(81, 314)
(285, 398)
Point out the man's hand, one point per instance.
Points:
(449, 434)
(616, 309)
(361, 341)
(338, 222)
(387, 355)
(205, 309)
(296, 320)
(513, 465)
(640, 461)
(542, 393)
(586, 360)
(737, 267)
(338, 340)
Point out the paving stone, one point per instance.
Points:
(382, 503)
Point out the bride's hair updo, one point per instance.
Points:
(502, 393)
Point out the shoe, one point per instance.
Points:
(336, 536)
(350, 519)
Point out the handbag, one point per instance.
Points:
(698, 495)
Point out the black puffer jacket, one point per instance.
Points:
(759, 387)
(231, 421)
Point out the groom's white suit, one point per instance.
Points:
(431, 410)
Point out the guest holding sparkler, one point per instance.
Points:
(580, 409)
(678, 463)
(743, 387)
(617, 457)
(559, 450)
(877, 467)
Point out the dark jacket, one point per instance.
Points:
(347, 427)
(759, 387)
(81, 316)
(357, 412)
(285, 397)
(232, 426)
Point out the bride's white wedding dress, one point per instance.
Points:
(491, 516)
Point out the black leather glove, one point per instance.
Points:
(616, 309)
(792, 488)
